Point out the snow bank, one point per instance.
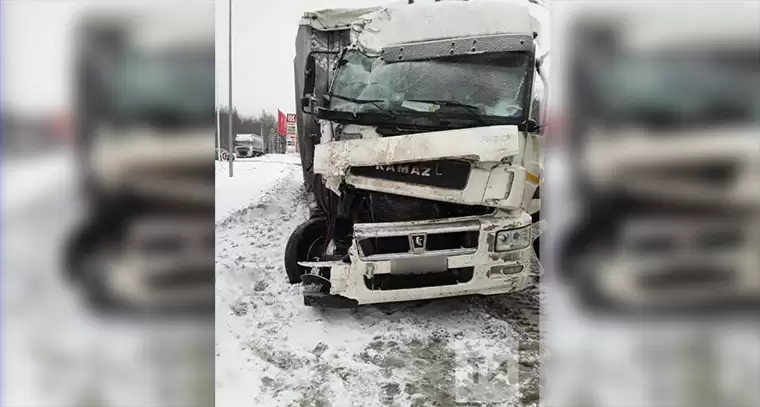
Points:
(251, 178)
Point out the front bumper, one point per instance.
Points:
(395, 277)
(684, 263)
(243, 151)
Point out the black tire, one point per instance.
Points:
(301, 247)
(92, 236)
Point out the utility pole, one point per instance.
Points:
(261, 122)
(232, 138)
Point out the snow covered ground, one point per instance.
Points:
(251, 178)
(271, 350)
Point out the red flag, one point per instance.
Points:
(282, 123)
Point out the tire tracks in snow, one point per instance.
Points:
(272, 350)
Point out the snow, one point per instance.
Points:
(244, 137)
(434, 21)
(272, 350)
(251, 177)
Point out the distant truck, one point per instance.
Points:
(249, 145)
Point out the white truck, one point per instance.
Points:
(144, 130)
(249, 145)
(666, 159)
(419, 137)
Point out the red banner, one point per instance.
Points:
(282, 123)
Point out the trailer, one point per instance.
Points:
(249, 145)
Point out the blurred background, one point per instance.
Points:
(652, 196)
(107, 203)
(653, 164)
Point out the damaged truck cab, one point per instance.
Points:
(419, 139)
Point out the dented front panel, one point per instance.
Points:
(435, 209)
(417, 164)
(492, 272)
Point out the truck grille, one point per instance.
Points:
(433, 243)
(658, 237)
(705, 174)
(381, 208)
(688, 259)
(384, 282)
(683, 276)
(449, 174)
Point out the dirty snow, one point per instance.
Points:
(273, 351)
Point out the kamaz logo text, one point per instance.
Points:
(406, 169)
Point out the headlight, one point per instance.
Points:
(512, 239)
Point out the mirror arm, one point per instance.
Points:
(545, 101)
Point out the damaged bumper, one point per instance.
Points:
(471, 265)
(415, 165)
(684, 263)
(452, 255)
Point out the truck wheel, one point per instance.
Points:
(83, 267)
(306, 243)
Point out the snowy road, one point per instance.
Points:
(273, 351)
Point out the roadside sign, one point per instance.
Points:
(290, 134)
(223, 155)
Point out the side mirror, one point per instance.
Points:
(306, 104)
(545, 99)
(532, 127)
(308, 100)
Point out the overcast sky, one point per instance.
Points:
(36, 48)
(266, 29)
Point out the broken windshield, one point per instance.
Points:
(485, 84)
(176, 86)
(678, 90)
